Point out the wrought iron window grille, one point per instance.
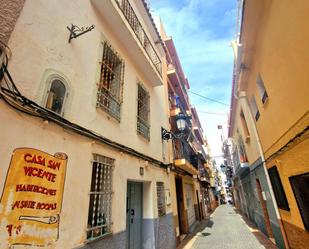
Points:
(143, 109)
(100, 198)
(161, 199)
(110, 87)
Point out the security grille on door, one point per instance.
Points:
(161, 199)
(99, 216)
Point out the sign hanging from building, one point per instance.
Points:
(32, 198)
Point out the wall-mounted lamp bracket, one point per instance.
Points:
(166, 135)
(76, 31)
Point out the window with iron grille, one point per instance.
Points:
(109, 97)
(161, 199)
(100, 203)
(300, 186)
(143, 127)
(276, 183)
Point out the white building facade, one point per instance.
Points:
(100, 100)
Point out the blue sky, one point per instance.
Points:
(202, 31)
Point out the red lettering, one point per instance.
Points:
(53, 165)
(9, 228)
(35, 189)
(46, 206)
(28, 170)
(26, 157)
(41, 160)
(34, 159)
(16, 205)
(18, 187)
(33, 171)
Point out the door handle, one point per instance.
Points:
(132, 215)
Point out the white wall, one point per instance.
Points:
(40, 42)
(40, 45)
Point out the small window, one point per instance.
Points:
(244, 126)
(300, 186)
(278, 188)
(110, 86)
(143, 126)
(254, 109)
(100, 203)
(161, 199)
(261, 87)
(56, 96)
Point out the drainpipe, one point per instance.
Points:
(241, 95)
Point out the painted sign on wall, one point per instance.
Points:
(32, 197)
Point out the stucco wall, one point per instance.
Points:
(51, 138)
(251, 144)
(281, 56)
(40, 43)
(291, 163)
(9, 13)
(252, 204)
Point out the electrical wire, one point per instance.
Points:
(213, 100)
(212, 113)
(12, 97)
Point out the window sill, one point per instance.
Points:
(88, 241)
(141, 135)
(265, 102)
(285, 209)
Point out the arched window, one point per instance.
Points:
(56, 96)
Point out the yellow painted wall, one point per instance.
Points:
(275, 45)
(280, 54)
(251, 144)
(291, 163)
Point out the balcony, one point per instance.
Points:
(123, 21)
(178, 85)
(242, 169)
(185, 158)
(199, 134)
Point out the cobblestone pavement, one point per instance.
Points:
(226, 229)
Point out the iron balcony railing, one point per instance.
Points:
(182, 150)
(141, 35)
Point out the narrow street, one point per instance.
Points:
(227, 229)
(154, 124)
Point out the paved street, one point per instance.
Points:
(226, 229)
